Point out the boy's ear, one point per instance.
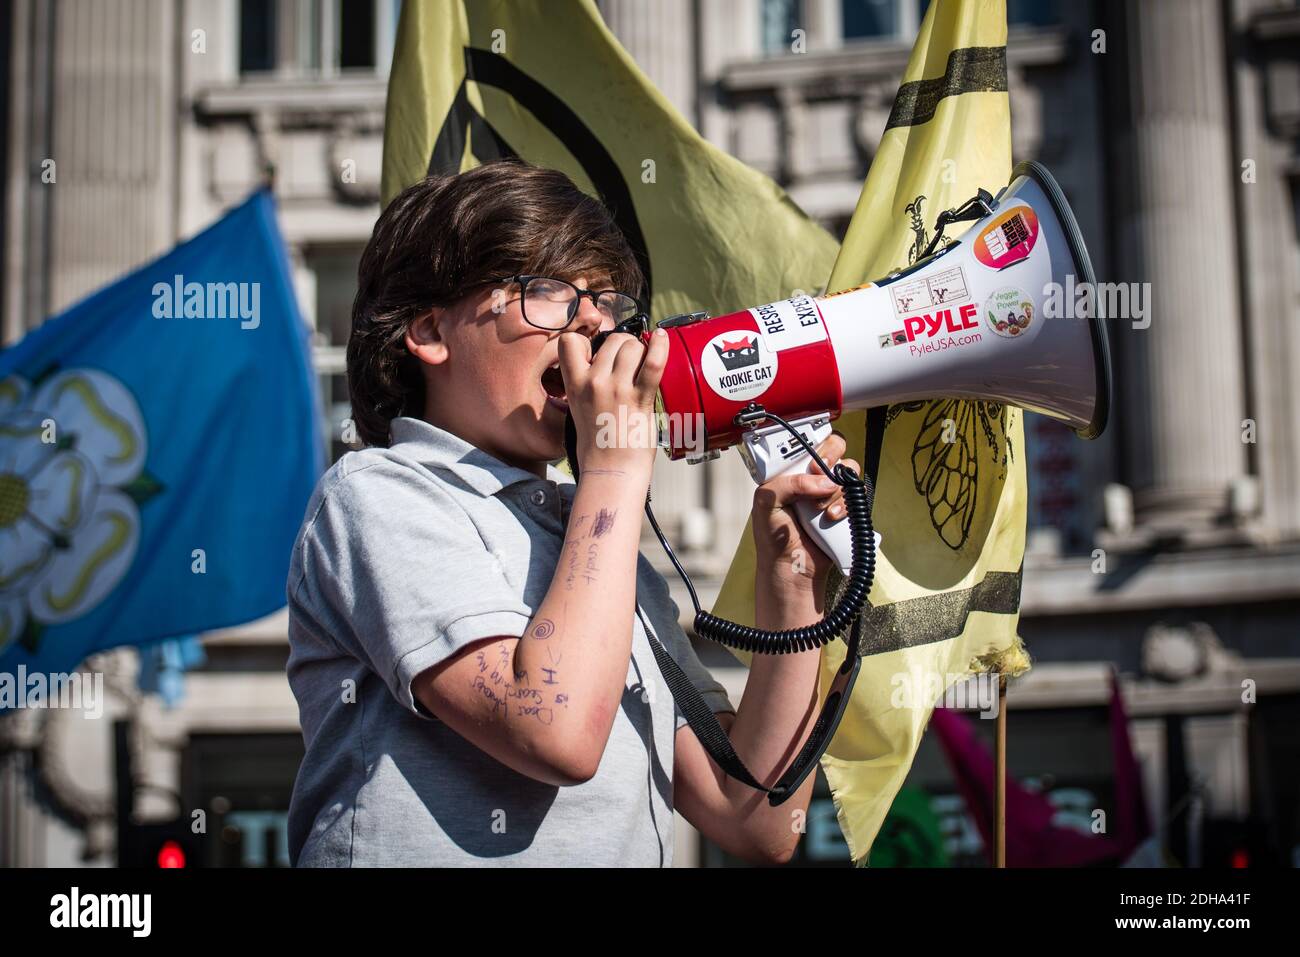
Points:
(424, 337)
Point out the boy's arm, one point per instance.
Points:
(771, 724)
(779, 707)
(544, 704)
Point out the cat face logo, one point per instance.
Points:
(738, 364)
(738, 354)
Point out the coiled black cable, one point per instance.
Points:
(858, 494)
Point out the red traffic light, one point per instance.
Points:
(171, 854)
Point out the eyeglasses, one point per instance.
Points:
(553, 303)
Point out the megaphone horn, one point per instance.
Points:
(966, 321)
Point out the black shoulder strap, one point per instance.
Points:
(715, 740)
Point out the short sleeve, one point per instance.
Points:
(655, 598)
(399, 571)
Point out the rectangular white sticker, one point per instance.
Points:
(789, 323)
(925, 292)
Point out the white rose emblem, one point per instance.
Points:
(72, 453)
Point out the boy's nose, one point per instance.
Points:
(588, 319)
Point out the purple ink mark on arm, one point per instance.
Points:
(604, 522)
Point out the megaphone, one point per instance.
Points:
(969, 320)
(966, 321)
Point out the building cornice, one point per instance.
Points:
(844, 69)
(327, 100)
(1152, 581)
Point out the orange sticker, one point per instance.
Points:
(1008, 239)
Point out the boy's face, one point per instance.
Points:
(493, 379)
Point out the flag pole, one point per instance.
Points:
(1000, 793)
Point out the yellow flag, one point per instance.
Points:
(950, 478)
(547, 81)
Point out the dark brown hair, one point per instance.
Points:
(443, 236)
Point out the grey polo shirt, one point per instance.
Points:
(407, 555)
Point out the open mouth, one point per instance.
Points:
(553, 384)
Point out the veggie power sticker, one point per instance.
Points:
(1009, 311)
(1008, 239)
(738, 365)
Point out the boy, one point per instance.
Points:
(467, 624)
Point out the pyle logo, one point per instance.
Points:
(928, 326)
(738, 354)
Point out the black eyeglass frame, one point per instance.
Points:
(594, 295)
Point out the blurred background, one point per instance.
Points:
(1168, 550)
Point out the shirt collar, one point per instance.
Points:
(487, 475)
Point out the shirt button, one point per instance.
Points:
(538, 497)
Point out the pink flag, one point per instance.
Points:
(1032, 839)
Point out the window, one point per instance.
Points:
(1025, 13)
(863, 19)
(256, 35)
(334, 272)
(872, 19)
(779, 20)
(356, 34)
(1032, 13)
(317, 37)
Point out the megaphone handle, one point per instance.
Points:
(769, 452)
(831, 536)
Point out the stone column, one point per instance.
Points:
(114, 132)
(28, 30)
(661, 37)
(1180, 402)
(823, 22)
(1268, 120)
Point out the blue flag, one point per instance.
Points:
(158, 445)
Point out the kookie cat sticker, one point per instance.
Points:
(738, 365)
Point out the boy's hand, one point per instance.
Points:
(611, 398)
(787, 558)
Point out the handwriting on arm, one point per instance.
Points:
(502, 684)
